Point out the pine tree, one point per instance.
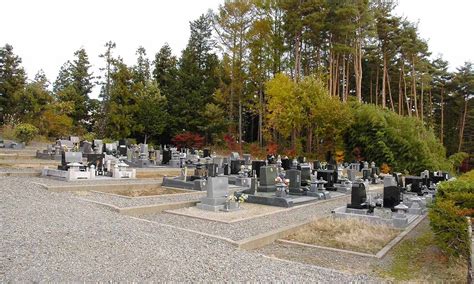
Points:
(12, 79)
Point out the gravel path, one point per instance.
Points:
(54, 237)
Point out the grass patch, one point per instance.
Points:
(148, 192)
(419, 259)
(349, 234)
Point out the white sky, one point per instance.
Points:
(45, 33)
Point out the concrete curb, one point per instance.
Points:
(100, 187)
(155, 208)
(20, 174)
(282, 241)
(184, 192)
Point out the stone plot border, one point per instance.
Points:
(284, 209)
(20, 174)
(145, 209)
(184, 192)
(95, 187)
(380, 254)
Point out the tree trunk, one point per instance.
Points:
(377, 85)
(400, 92)
(390, 93)
(463, 125)
(343, 98)
(297, 56)
(240, 124)
(421, 100)
(405, 91)
(414, 85)
(384, 99)
(358, 71)
(309, 145)
(441, 134)
(260, 118)
(371, 91)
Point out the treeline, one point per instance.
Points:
(265, 71)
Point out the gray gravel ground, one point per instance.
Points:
(54, 237)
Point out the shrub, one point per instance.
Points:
(402, 142)
(231, 142)
(25, 132)
(89, 136)
(450, 228)
(454, 201)
(188, 140)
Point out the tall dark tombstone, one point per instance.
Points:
(305, 174)
(300, 159)
(235, 166)
(295, 180)
(317, 165)
(398, 179)
(358, 196)
(166, 157)
(256, 165)
(268, 174)
(391, 192)
(366, 174)
(286, 164)
(211, 170)
(226, 169)
(416, 183)
(95, 159)
(206, 152)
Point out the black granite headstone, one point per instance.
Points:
(416, 183)
(166, 157)
(358, 196)
(328, 176)
(286, 164)
(256, 165)
(235, 166)
(295, 180)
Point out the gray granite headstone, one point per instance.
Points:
(268, 175)
(217, 192)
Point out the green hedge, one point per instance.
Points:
(454, 201)
(402, 142)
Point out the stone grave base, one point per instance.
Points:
(246, 211)
(380, 216)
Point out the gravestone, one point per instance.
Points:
(391, 192)
(366, 173)
(68, 158)
(256, 166)
(234, 156)
(95, 159)
(355, 167)
(327, 175)
(358, 196)
(65, 143)
(98, 146)
(414, 183)
(87, 147)
(305, 174)
(235, 166)
(166, 156)
(295, 181)
(268, 174)
(217, 192)
(74, 139)
(286, 163)
(247, 158)
(317, 165)
(351, 174)
(211, 170)
(110, 148)
(206, 153)
(398, 179)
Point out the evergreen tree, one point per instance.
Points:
(197, 77)
(12, 80)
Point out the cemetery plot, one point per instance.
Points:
(348, 234)
(247, 211)
(142, 192)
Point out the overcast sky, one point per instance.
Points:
(45, 33)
